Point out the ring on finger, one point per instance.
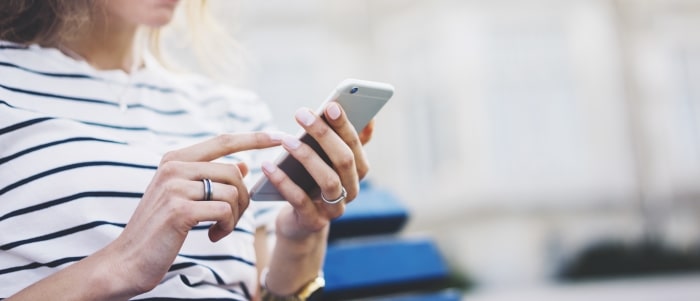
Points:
(343, 195)
(208, 189)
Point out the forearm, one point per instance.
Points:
(295, 262)
(92, 278)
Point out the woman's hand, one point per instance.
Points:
(302, 228)
(139, 258)
(173, 204)
(349, 164)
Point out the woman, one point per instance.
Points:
(108, 189)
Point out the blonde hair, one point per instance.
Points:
(195, 33)
(50, 22)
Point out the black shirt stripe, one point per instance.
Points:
(58, 234)
(85, 76)
(93, 100)
(146, 129)
(23, 124)
(186, 299)
(185, 265)
(54, 143)
(96, 194)
(69, 167)
(218, 258)
(35, 265)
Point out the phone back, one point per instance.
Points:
(361, 101)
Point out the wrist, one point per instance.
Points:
(289, 227)
(92, 278)
(114, 274)
(309, 291)
(300, 242)
(295, 262)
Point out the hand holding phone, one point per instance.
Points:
(361, 100)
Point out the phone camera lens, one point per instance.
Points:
(353, 90)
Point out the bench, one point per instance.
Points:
(368, 259)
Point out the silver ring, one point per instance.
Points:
(208, 191)
(343, 195)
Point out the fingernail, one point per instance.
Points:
(305, 117)
(269, 167)
(333, 111)
(275, 136)
(291, 142)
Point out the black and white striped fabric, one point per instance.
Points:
(73, 167)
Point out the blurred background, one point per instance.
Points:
(538, 141)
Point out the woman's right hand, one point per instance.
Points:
(173, 204)
(138, 259)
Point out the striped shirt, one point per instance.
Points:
(73, 167)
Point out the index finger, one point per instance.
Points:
(223, 145)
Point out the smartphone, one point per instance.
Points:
(360, 100)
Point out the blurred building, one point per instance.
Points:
(521, 131)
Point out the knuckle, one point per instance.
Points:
(226, 140)
(171, 188)
(317, 224)
(226, 209)
(347, 161)
(297, 197)
(320, 130)
(330, 181)
(355, 143)
(260, 138)
(232, 215)
(304, 154)
(179, 211)
(168, 169)
(226, 216)
(169, 156)
(231, 193)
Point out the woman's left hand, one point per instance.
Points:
(349, 164)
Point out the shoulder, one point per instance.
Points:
(199, 88)
(210, 91)
(236, 107)
(38, 60)
(10, 47)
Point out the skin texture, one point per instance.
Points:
(139, 258)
